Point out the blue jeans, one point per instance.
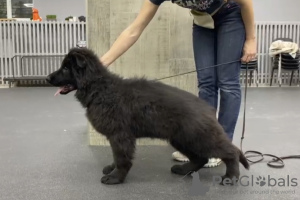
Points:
(215, 46)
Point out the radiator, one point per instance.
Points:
(19, 39)
(266, 33)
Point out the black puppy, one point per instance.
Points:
(126, 109)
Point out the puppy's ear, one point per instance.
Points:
(80, 60)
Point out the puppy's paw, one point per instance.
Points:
(110, 180)
(108, 169)
(180, 169)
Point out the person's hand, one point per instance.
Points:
(249, 51)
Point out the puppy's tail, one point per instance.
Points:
(243, 160)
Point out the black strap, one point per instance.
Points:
(213, 66)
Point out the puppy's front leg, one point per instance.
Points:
(123, 147)
(108, 169)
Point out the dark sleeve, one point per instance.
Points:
(157, 2)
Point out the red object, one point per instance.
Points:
(35, 15)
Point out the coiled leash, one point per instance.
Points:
(276, 162)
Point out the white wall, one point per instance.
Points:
(61, 8)
(277, 10)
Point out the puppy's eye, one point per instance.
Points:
(65, 68)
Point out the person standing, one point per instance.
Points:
(223, 31)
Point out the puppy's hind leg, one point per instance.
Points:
(123, 147)
(193, 165)
(232, 165)
(195, 162)
(232, 170)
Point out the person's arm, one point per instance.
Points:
(131, 34)
(248, 18)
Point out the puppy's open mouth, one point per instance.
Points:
(65, 89)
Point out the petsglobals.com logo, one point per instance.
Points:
(249, 181)
(248, 185)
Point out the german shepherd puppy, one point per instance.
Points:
(126, 109)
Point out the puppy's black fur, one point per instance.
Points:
(126, 109)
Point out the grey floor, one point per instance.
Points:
(44, 152)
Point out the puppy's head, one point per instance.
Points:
(72, 73)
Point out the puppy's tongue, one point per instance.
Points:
(58, 91)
